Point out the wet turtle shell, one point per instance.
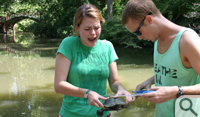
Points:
(112, 104)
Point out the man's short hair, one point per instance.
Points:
(138, 9)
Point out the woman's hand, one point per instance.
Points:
(125, 92)
(94, 97)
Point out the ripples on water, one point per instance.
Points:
(27, 77)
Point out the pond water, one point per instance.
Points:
(27, 77)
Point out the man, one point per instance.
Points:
(176, 55)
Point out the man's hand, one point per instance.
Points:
(161, 94)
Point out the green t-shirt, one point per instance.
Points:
(169, 71)
(90, 70)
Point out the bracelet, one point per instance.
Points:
(180, 92)
(86, 94)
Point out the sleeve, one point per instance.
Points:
(112, 53)
(65, 48)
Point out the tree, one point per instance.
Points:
(109, 9)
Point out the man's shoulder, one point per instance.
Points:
(189, 36)
(189, 45)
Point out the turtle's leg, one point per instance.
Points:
(125, 106)
(117, 107)
(100, 112)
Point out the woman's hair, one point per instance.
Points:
(86, 10)
(138, 9)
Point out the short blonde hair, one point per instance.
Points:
(86, 10)
(138, 9)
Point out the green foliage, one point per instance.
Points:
(56, 20)
(18, 7)
(57, 17)
(181, 12)
(4, 5)
(23, 26)
(114, 31)
(51, 13)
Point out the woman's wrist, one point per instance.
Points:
(86, 94)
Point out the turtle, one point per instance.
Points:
(112, 104)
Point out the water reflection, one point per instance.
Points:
(27, 76)
(28, 89)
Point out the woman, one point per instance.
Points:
(84, 64)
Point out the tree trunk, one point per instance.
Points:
(109, 9)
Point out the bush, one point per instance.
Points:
(114, 31)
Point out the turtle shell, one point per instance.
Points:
(112, 104)
(113, 101)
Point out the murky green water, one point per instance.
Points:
(27, 77)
